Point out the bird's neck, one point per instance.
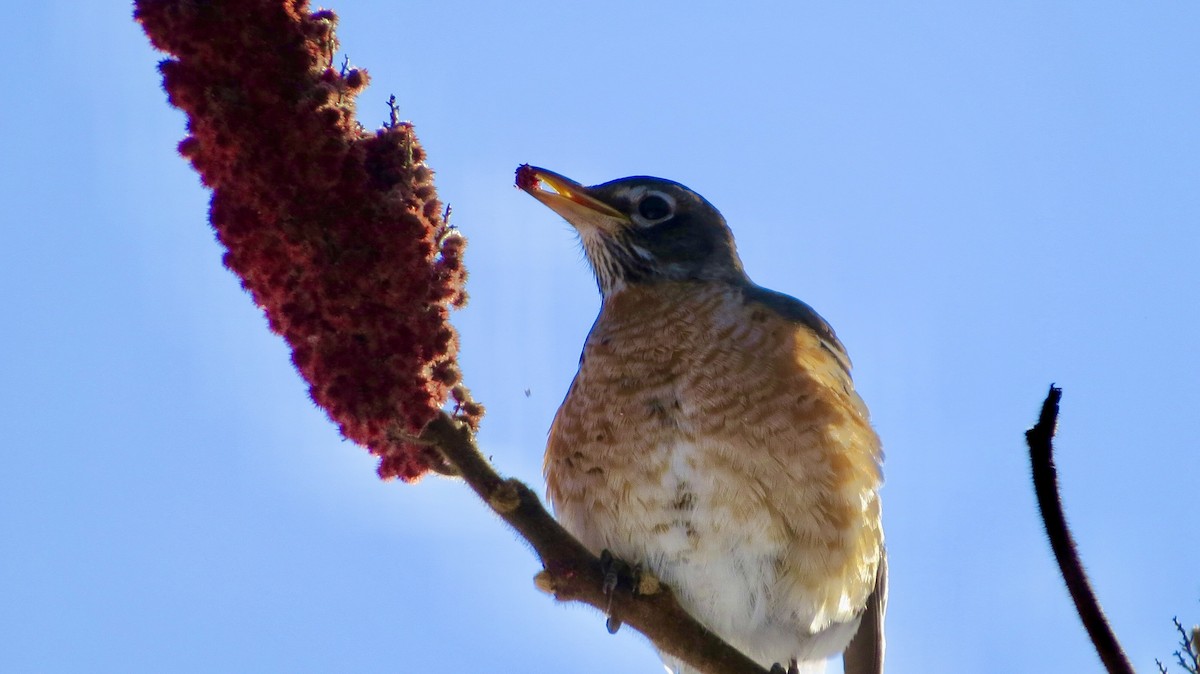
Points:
(651, 302)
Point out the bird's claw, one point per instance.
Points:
(612, 567)
(792, 668)
(614, 570)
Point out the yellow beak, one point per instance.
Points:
(572, 201)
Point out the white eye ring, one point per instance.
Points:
(654, 208)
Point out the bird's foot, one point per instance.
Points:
(614, 571)
(619, 573)
(792, 668)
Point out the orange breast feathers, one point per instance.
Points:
(701, 418)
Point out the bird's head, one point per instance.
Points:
(640, 230)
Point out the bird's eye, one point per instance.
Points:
(654, 207)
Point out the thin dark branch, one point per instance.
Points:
(1045, 482)
(572, 573)
(1187, 648)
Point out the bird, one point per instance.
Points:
(713, 437)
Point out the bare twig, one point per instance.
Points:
(572, 573)
(1187, 646)
(1045, 482)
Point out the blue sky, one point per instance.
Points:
(982, 200)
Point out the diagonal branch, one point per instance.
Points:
(1040, 439)
(572, 573)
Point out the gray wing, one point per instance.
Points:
(864, 655)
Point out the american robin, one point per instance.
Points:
(713, 435)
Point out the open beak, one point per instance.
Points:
(572, 201)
